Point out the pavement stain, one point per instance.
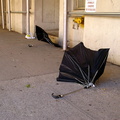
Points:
(2, 89)
(28, 85)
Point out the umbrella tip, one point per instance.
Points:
(89, 85)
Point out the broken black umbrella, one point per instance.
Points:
(82, 65)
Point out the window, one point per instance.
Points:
(80, 4)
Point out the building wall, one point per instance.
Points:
(0, 16)
(61, 23)
(99, 31)
(75, 33)
(18, 20)
(32, 17)
(47, 14)
(41, 14)
(1, 13)
(108, 6)
(103, 31)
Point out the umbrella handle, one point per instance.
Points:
(62, 95)
(57, 96)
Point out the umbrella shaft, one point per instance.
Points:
(73, 92)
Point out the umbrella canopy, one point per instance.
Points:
(82, 65)
(43, 36)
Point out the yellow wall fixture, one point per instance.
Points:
(79, 21)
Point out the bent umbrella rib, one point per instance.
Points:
(79, 68)
(98, 70)
(74, 78)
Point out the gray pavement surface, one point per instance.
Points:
(28, 78)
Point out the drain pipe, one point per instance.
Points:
(27, 18)
(2, 12)
(65, 26)
(9, 15)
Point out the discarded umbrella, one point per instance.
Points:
(43, 36)
(82, 65)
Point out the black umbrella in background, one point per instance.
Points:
(43, 36)
(82, 65)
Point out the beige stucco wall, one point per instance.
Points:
(100, 31)
(0, 16)
(108, 6)
(74, 36)
(61, 23)
(75, 33)
(1, 13)
(32, 17)
(47, 14)
(18, 20)
(104, 32)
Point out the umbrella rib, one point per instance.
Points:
(98, 69)
(79, 68)
(69, 68)
(74, 78)
(73, 72)
(89, 73)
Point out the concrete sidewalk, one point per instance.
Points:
(28, 78)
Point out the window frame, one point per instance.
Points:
(76, 5)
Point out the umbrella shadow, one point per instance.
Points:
(110, 78)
